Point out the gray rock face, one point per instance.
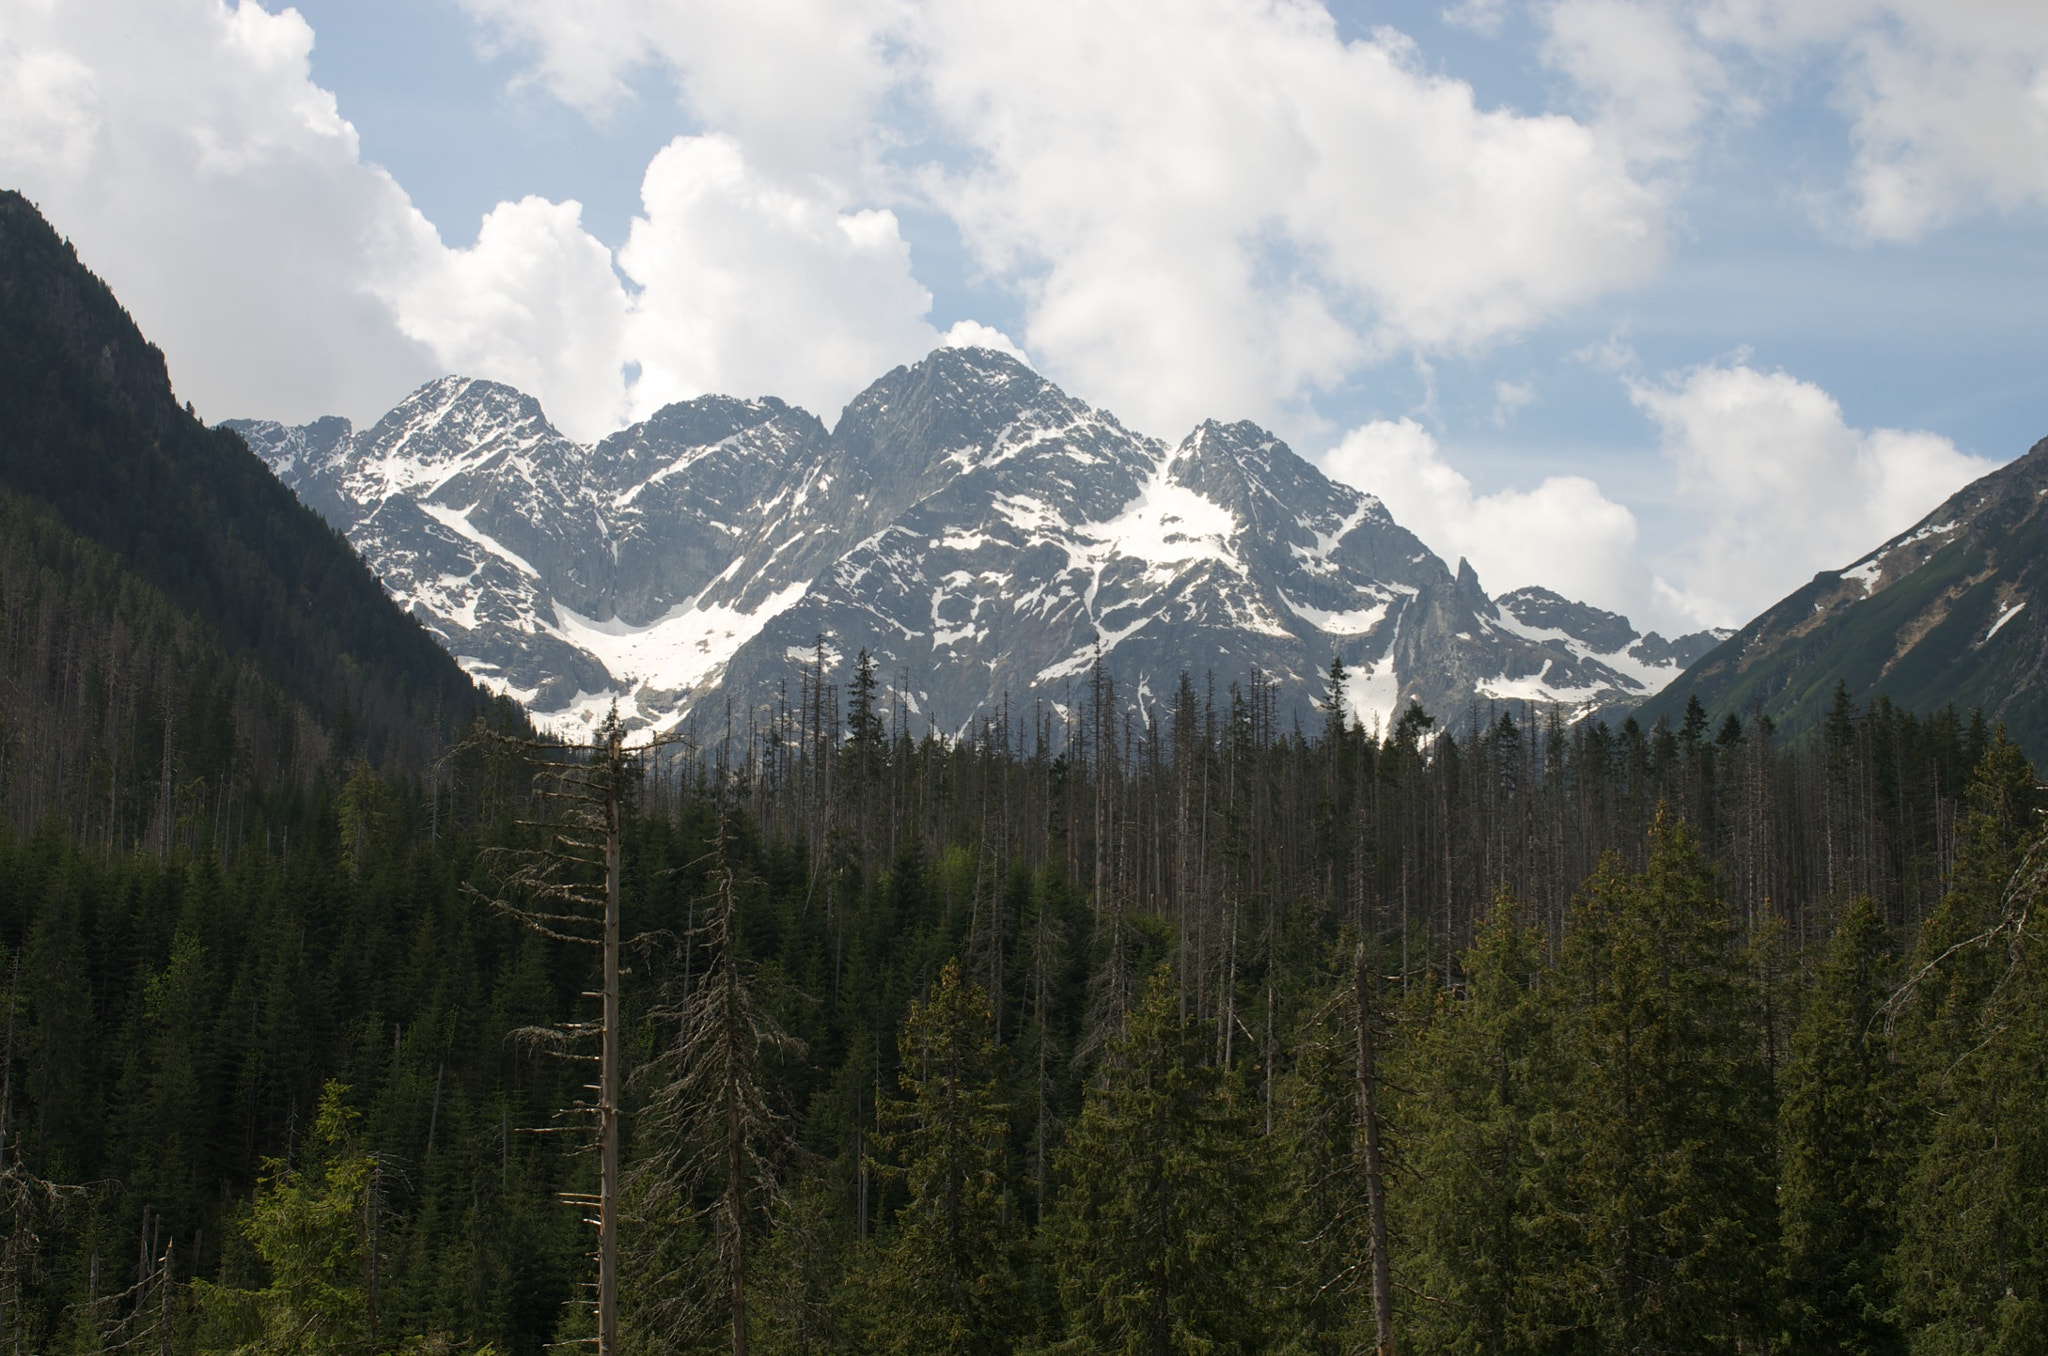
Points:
(979, 532)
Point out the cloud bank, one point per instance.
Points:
(1946, 103)
(1200, 208)
(185, 150)
(1773, 481)
(1781, 486)
(1213, 206)
(1564, 534)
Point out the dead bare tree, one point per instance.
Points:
(568, 890)
(1375, 1176)
(715, 1143)
(27, 1201)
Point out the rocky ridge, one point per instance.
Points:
(979, 532)
(1940, 615)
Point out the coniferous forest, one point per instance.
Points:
(1152, 1030)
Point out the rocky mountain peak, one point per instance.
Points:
(1470, 593)
(1542, 609)
(982, 534)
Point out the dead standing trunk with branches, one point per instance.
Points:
(715, 1144)
(569, 891)
(26, 1201)
(1375, 1175)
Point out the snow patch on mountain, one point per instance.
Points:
(981, 534)
(1166, 526)
(679, 649)
(1374, 692)
(457, 521)
(1354, 622)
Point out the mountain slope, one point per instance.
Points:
(1941, 614)
(94, 445)
(981, 533)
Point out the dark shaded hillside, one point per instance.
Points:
(95, 451)
(1947, 613)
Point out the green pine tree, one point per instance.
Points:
(308, 1228)
(1654, 1194)
(1330, 1288)
(1474, 1084)
(1971, 1267)
(1836, 1128)
(1161, 1241)
(946, 1279)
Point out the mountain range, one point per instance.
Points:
(980, 533)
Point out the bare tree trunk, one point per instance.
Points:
(164, 1298)
(735, 1166)
(608, 1073)
(373, 1205)
(1375, 1183)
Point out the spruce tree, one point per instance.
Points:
(1162, 1239)
(1654, 1195)
(308, 1226)
(1329, 1285)
(1341, 1144)
(946, 1279)
(1475, 1082)
(1837, 1125)
(715, 1145)
(1972, 1263)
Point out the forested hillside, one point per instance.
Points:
(1051, 1038)
(163, 599)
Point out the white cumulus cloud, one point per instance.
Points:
(1646, 70)
(1778, 486)
(1204, 207)
(796, 80)
(1221, 207)
(753, 286)
(1946, 103)
(974, 334)
(1950, 103)
(1564, 534)
(185, 150)
(534, 303)
(1769, 481)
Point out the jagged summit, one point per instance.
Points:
(976, 529)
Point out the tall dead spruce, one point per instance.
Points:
(569, 890)
(712, 1141)
(26, 1202)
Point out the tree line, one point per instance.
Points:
(1095, 1026)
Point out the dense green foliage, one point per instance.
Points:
(1051, 1044)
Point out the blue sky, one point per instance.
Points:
(1663, 304)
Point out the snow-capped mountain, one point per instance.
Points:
(978, 531)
